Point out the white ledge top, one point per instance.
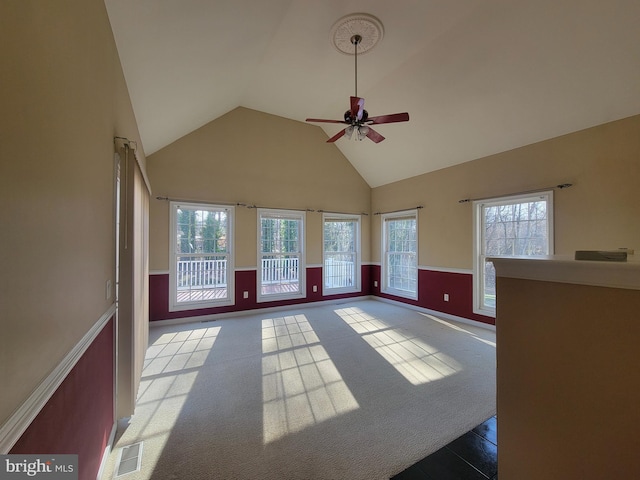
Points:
(564, 269)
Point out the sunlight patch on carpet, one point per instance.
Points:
(177, 351)
(301, 386)
(172, 365)
(413, 358)
(459, 329)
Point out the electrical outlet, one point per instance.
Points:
(446, 297)
(315, 288)
(375, 283)
(245, 294)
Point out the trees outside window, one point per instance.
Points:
(400, 254)
(510, 226)
(201, 271)
(341, 253)
(281, 268)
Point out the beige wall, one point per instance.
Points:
(63, 100)
(257, 159)
(568, 389)
(599, 212)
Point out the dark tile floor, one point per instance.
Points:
(473, 456)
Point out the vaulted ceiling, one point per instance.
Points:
(477, 77)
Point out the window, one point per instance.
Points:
(341, 252)
(281, 269)
(400, 254)
(512, 226)
(201, 271)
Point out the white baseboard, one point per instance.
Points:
(435, 313)
(107, 450)
(219, 316)
(239, 313)
(19, 421)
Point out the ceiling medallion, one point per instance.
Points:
(363, 24)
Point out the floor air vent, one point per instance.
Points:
(129, 459)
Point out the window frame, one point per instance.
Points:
(384, 281)
(479, 254)
(302, 270)
(357, 283)
(174, 305)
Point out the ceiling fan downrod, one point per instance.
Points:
(356, 118)
(355, 40)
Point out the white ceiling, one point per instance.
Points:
(477, 76)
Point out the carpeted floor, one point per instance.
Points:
(359, 390)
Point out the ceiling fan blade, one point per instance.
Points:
(322, 120)
(375, 136)
(357, 107)
(338, 135)
(392, 118)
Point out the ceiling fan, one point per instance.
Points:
(357, 118)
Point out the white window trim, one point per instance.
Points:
(384, 288)
(478, 242)
(174, 305)
(302, 268)
(358, 268)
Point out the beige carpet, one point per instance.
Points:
(359, 390)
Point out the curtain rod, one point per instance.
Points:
(342, 213)
(231, 204)
(560, 186)
(184, 200)
(251, 206)
(398, 211)
(282, 208)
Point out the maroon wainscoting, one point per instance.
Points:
(459, 286)
(314, 279)
(246, 281)
(78, 418)
(367, 280)
(159, 296)
(432, 285)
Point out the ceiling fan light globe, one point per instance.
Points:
(349, 131)
(362, 132)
